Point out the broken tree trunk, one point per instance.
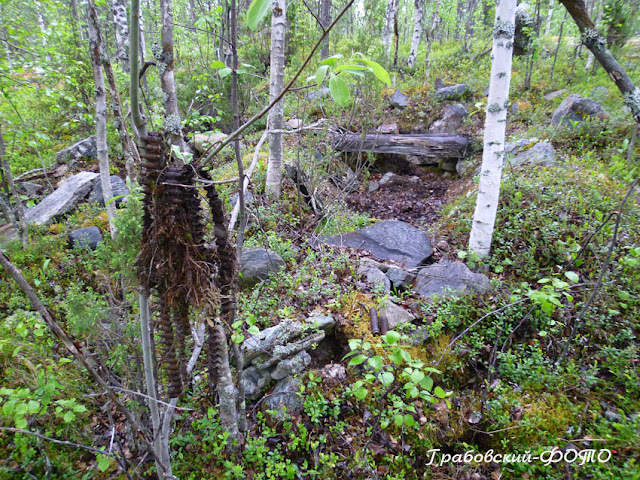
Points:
(431, 148)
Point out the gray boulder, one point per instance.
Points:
(395, 315)
(530, 151)
(285, 399)
(254, 381)
(373, 186)
(448, 278)
(600, 92)
(66, 197)
(525, 24)
(388, 240)
(118, 188)
(374, 278)
(450, 120)
(322, 322)
(399, 278)
(399, 100)
(454, 92)
(264, 342)
(387, 178)
(29, 188)
(84, 148)
(575, 108)
(88, 237)
(291, 366)
(256, 264)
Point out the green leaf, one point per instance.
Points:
(427, 383)
(103, 462)
(33, 406)
(398, 419)
(256, 13)
(375, 362)
(253, 330)
(573, 276)
(361, 393)
(357, 360)
(386, 378)
(68, 416)
(21, 422)
(417, 376)
(378, 71)
(391, 337)
(223, 72)
(408, 420)
(339, 91)
(439, 392)
(331, 61)
(218, 64)
(321, 73)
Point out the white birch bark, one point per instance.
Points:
(276, 85)
(101, 116)
(547, 28)
(121, 23)
(43, 28)
(600, 8)
(432, 31)
(494, 130)
(387, 33)
(417, 33)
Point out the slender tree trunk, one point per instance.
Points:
(534, 50)
(547, 28)
(396, 38)
(555, 56)
(494, 130)
(276, 85)
(390, 18)
(101, 114)
(173, 123)
(20, 220)
(598, 46)
(417, 33)
(469, 26)
(121, 23)
(325, 18)
(589, 67)
(192, 13)
(430, 38)
(161, 449)
(43, 28)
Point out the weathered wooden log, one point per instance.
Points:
(424, 148)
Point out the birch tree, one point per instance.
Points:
(417, 33)
(95, 47)
(120, 21)
(547, 28)
(430, 34)
(276, 85)
(599, 11)
(484, 216)
(389, 23)
(325, 18)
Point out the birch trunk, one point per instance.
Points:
(547, 29)
(430, 38)
(468, 30)
(417, 33)
(598, 46)
(120, 21)
(599, 9)
(276, 85)
(43, 28)
(173, 123)
(387, 33)
(101, 114)
(494, 130)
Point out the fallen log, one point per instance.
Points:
(424, 148)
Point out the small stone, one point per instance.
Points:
(372, 187)
(391, 128)
(88, 237)
(257, 264)
(84, 148)
(323, 322)
(294, 123)
(29, 188)
(553, 95)
(374, 278)
(265, 341)
(449, 278)
(530, 151)
(395, 315)
(454, 92)
(576, 109)
(334, 371)
(399, 100)
(387, 178)
(291, 366)
(205, 141)
(442, 245)
(400, 278)
(612, 416)
(118, 189)
(254, 382)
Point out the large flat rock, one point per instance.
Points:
(449, 278)
(63, 200)
(388, 240)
